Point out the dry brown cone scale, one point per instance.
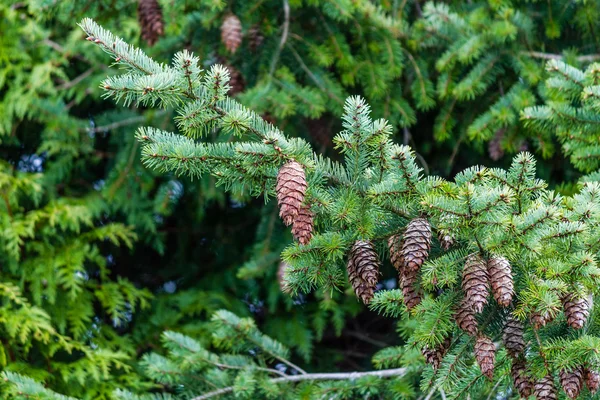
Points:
(363, 270)
(592, 379)
(434, 356)
(290, 188)
(485, 353)
(512, 336)
(445, 238)
(577, 310)
(231, 33)
(521, 379)
(302, 227)
(475, 282)
(151, 20)
(544, 389)
(501, 280)
(465, 319)
(539, 320)
(395, 247)
(416, 243)
(408, 284)
(572, 382)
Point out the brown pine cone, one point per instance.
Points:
(410, 291)
(231, 33)
(521, 379)
(283, 266)
(236, 81)
(363, 270)
(475, 282)
(495, 150)
(592, 379)
(445, 238)
(303, 225)
(434, 356)
(290, 188)
(538, 320)
(572, 382)
(151, 21)
(576, 310)
(512, 336)
(255, 37)
(395, 244)
(544, 389)
(465, 319)
(416, 245)
(485, 353)
(501, 280)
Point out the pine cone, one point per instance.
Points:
(410, 291)
(544, 389)
(576, 310)
(465, 319)
(572, 382)
(485, 353)
(538, 320)
(151, 20)
(445, 238)
(281, 277)
(495, 150)
(501, 280)
(363, 270)
(592, 379)
(303, 225)
(417, 241)
(255, 37)
(236, 81)
(434, 356)
(521, 379)
(231, 33)
(291, 187)
(395, 244)
(512, 336)
(475, 283)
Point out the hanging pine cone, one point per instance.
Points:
(445, 238)
(303, 225)
(495, 150)
(512, 336)
(363, 270)
(501, 280)
(434, 356)
(283, 266)
(231, 33)
(592, 379)
(521, 379)
(255, 37)
(395, 245)
(538, 319)
(417, 241)
(475, 282)
(465, 318)
(576, 310)
(572, 382)
(151, 20)
(485, 353)
(290, 188)
(410, 291)
(544, 389)
(236, 81)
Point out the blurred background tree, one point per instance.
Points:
(99, 252)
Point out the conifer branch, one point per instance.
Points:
(386, 373)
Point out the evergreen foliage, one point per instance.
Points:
(89, 232)
(549, 239)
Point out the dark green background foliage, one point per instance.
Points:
(99, 255)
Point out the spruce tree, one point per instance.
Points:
(379, 191)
